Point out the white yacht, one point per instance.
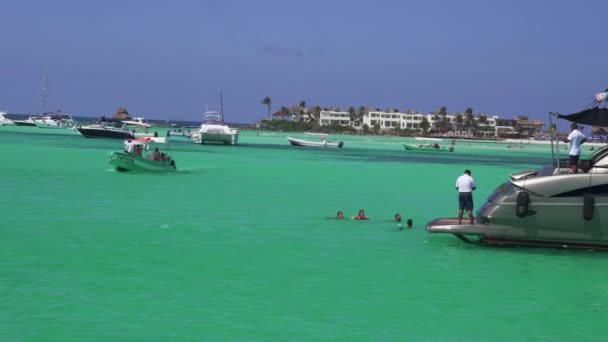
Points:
(214, 129)
(4, 121)
(55, 120)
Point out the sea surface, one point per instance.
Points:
(239, 245)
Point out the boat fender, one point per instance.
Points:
(588, 204)
(173, 163)
(522, 203)
(340, 144)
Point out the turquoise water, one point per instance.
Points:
(237, 246)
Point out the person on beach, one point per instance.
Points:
(576, 138)
(397, 218)
(361, 216)
(465, 185)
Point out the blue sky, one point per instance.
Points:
(167, 60)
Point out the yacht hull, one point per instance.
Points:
(105, 133)
(24, 123)
(219, 138)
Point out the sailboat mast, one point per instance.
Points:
(221, 106)
(44, 86)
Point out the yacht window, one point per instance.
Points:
(596, 190)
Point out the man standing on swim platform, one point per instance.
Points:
(465, 185)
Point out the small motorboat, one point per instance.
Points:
(428, 147)
(323, 143)
(143, 154)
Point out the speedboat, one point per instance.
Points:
(322, 143)
(137, 121)
(4, 121)
(214, 130)
(546, 207)
(107, 128)
(143, 154)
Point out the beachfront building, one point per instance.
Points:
(392, 120)
(526, 127)
(328, 117)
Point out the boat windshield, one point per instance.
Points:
(601, 152)
(213, 118)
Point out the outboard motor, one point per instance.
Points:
(522, 203)
(588, 204)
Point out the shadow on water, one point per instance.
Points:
(446, 241)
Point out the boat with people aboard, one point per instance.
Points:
(323, 143)
(553, 206)
(144, 154)
(5, 121)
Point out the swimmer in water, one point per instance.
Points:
(339, 215)
(397, 218)
(360, 216)
(409, 223)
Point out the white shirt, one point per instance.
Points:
(129, 147)
(575, 138)
(465, 183)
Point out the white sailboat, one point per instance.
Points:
(55, 119)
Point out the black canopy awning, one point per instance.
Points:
(592, 117)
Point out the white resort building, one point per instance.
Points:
(391, 120)
(328, 117)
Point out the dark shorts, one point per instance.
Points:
(465, 200)
(573, 160)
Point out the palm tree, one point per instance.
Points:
(459, 120)
(469, 120)
(352, 113)
(443, 112)
(268, 102)
(424, 125)
(315, 113)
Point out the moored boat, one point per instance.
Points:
(143, 154)
(55, 120)
(428, 147)
(106, 128)
(4, 121)
(308, 143)
(27, 122)
(214, 130)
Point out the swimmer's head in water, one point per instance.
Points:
(397, 218)
(339, 215)
(409, 223)
(361, 213)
